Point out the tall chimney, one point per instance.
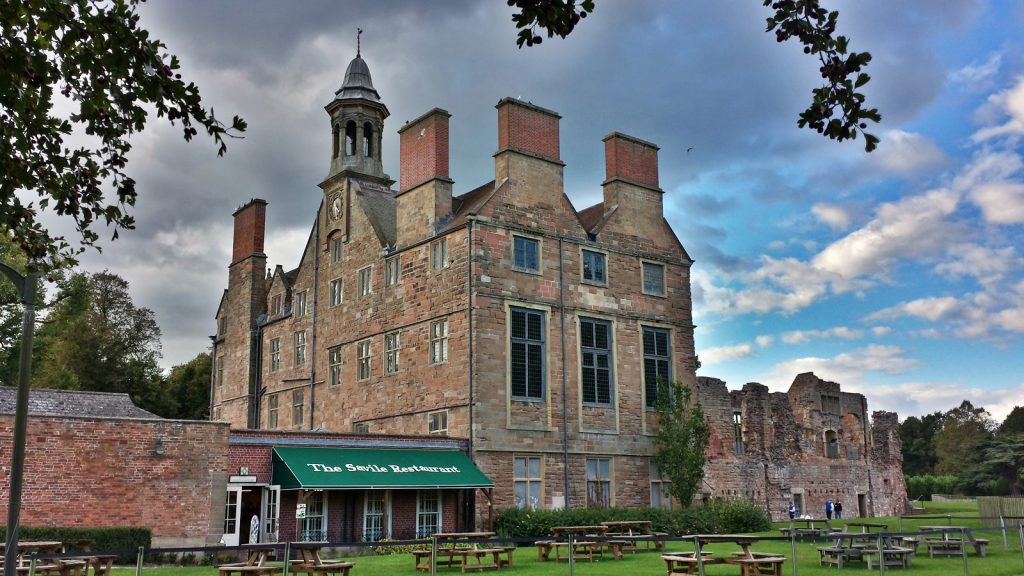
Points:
(250, 228)
(424, 195)
(631, 182)
(528, 153)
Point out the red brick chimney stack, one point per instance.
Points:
(630, 159)
(424, 149)
(424, 195)
(631, 184)
(524, 127)
(250, 229)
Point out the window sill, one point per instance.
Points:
(528, 400)
(594, 283)
(527, 271)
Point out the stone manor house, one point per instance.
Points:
(504, 316)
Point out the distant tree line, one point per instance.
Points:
(963, 451)
(90, 335)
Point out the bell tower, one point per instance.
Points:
(357, 124)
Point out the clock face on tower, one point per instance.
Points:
(335, 207)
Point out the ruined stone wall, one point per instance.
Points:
(807, 444)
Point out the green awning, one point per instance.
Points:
(355, 468)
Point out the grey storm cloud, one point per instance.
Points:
(695, 74)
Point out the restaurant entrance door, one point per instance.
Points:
(242, 503)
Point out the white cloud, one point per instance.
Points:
(721, 354)
(989, 266)
(909, 228)
(764, 341)
(837, 217)
(919, 398)
(848, 368)
(881, 330)
(801, 336)
(1008, 103)
(977, 74)
(1001, 203)
(907, 153)
(932, 309)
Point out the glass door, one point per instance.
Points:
(271, 513)
(232, 515)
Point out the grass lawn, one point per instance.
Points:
(998, 562)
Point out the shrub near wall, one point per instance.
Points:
(103, 539)
(718, 517)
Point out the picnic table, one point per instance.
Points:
(809, 528)
(457, 548)
(631, 532)
(309, 562)
(751, 563)
(585, 542)
(947, 546)
(256, 565)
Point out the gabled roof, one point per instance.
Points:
(468, 203)
(48, 402)
(378, 203)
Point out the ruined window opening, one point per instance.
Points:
(829, 404)
(368, 140)
(831, 444)
(350, 139)
(737, 430)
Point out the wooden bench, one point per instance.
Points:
(686, 563)
(979, 545)
(544, 549)
(759, 566)
(246, 570)
(891, 557)
(309, 562)
(939, 547)
(838, 555)
(450, 557)
(911, 542)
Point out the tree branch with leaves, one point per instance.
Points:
(680, 441)
(837, 108)
(109, 74)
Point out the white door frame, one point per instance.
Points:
(270, 507)
(233, 499)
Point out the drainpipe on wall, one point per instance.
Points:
(565, 400)
(469, 504)
(259, 376)
(312, 337)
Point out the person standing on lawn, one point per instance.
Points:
(828, 509)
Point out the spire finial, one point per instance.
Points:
(359, 32)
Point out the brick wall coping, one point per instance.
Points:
(249, 203)
(611, 135)
(416, 185)
(530, 105)
(159, 421)
(525, 152)
(427, 114)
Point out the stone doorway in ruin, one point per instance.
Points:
(862, 506)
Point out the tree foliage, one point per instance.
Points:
(1014, 422)
(77, 79)
(837, 107)
(680, 441)
(917, 436)
(965, 429)
(95, 338)
(188, 387)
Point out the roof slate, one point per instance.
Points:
(47, 402)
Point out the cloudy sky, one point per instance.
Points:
(898, 274)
